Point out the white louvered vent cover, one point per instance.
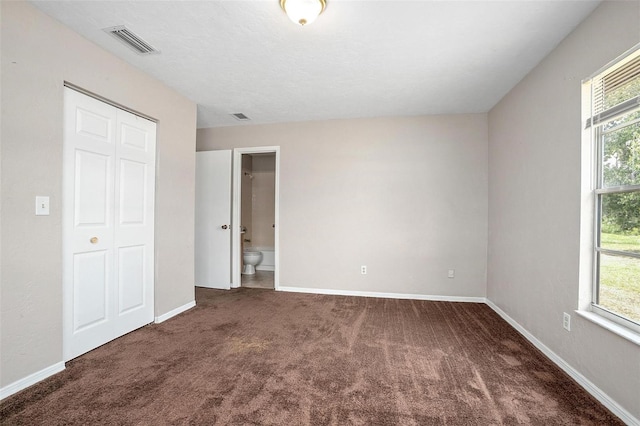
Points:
(131, 39)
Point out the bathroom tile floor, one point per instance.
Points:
(261, 279)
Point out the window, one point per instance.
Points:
(614, 126)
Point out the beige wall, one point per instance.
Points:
(534, 203)
(38, 55)
(263, 206)
(405, 196)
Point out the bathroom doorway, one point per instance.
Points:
(255, 217)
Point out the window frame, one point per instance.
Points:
(594, 124)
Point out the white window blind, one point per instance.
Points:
(615, 91)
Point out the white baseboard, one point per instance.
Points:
(383, 295)
(266, 268)
(595, 391)
(175, 312)
(31, 379)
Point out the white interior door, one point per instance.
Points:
(108, 222)
(213, 219)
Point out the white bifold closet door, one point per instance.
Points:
(108, 222)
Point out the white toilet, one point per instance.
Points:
(250, 257)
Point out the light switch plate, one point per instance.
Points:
(42, 205)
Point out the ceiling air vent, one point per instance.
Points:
(240, 116)
(131, 39)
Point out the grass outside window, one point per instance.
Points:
(620, 277)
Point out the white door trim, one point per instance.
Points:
(236, 223)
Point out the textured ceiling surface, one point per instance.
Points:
(358, 59)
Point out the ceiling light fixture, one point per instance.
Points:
(303, 12)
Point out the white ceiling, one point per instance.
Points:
(358, 59)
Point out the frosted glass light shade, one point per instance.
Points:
(303, 12)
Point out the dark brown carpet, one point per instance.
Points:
(259, 357)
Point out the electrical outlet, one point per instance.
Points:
(363, 269)
(451, 273)
(566, 321)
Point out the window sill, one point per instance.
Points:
(618, 329)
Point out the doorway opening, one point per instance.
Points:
(255, 239)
